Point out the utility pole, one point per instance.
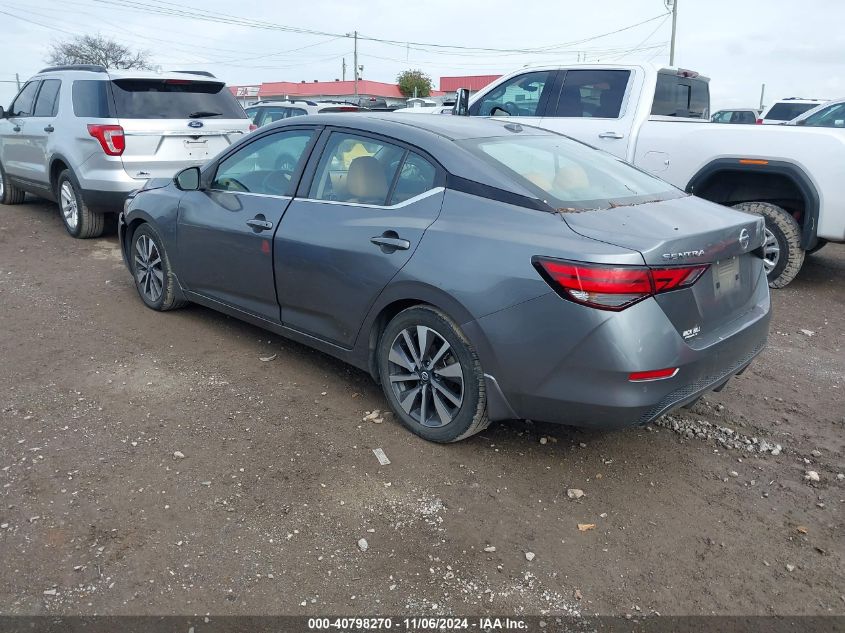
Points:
(762, 96)
(18, 81)
(355, 63)
(674, 30)
(343, 70)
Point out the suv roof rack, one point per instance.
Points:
(202, 73)
(305, 101)
(93, 68)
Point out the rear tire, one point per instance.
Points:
(783, 255)
(9, 194)
(442, 397)
(154, 279)
(80, 221)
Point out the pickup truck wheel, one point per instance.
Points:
(9, 194)
(782, 252)
(79, 220)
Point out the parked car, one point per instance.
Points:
(787, 109)
(85, 136)
(746, 116)
(830, 114)
(265, 112)
(478, 269)
(657, 119)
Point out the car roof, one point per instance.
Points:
(110, 74)
(435, 134)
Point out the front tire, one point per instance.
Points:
(431, 376)
(9, 194)
(782, 252)
(154, 279)
(80, 221)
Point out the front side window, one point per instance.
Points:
(723, 116)
(679, 96)
(47, 103)
(569, 175)
(22, 105)
(356, 169)
(592, 93)
(265, 166)
(519, 96)
(833, 116)
(174, 99)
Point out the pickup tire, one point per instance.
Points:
(783, 255)
(9, 194)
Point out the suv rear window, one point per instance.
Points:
(680, 96)
(174, 99)
(788, 111)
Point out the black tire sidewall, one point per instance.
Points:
(783, 244)
(473, 377)
(67, 175)
(150, 232)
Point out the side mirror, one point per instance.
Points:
(188, 179)
(461, 107)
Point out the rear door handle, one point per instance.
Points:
(49, 128)
(390, 242)
(259, 223)
(615, 135)
(17, 128)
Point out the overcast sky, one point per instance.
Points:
(796, 48)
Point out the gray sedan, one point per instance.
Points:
(479, 270)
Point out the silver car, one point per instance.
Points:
(479, 270)
(85, 136)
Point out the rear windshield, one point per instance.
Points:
(174, 99)
(569, 175)
(679, 96)
(788, 111)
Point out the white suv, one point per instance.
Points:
(85, 136)
(264, 112)
(787, 109)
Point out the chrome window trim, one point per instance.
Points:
(399, 205)
(250, 193)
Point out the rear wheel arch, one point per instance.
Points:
(727, 181)
(57, 165)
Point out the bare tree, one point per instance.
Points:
(91, 49)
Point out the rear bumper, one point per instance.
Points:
(573, 367)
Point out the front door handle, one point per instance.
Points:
(49, 128)
(17, 128)
(259, 223)
(615, 135)
(389, 241)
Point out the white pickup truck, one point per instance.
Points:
(658, 119)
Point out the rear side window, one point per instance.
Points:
(22, 105)
(786, 111)
(679, 96)
(296, 112)
(416, 176)
(174, 99)
(592, 93)
(91, 99)
(47, 103)
(745, 117)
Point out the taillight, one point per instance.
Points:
(252, 127)
(759, 121)
(111, 138)
(614, 287)
(654, 374)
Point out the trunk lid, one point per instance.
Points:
(171, 123)
(687, 231)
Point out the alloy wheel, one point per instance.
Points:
(2, 184)
(70, 209)
(148, 270)
(426, 376)
(771, 252)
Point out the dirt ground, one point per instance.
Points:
(278, 482)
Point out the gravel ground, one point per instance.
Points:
(153, 464)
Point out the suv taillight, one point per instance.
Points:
(111, 138)
(759, 121)
(613, 287)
